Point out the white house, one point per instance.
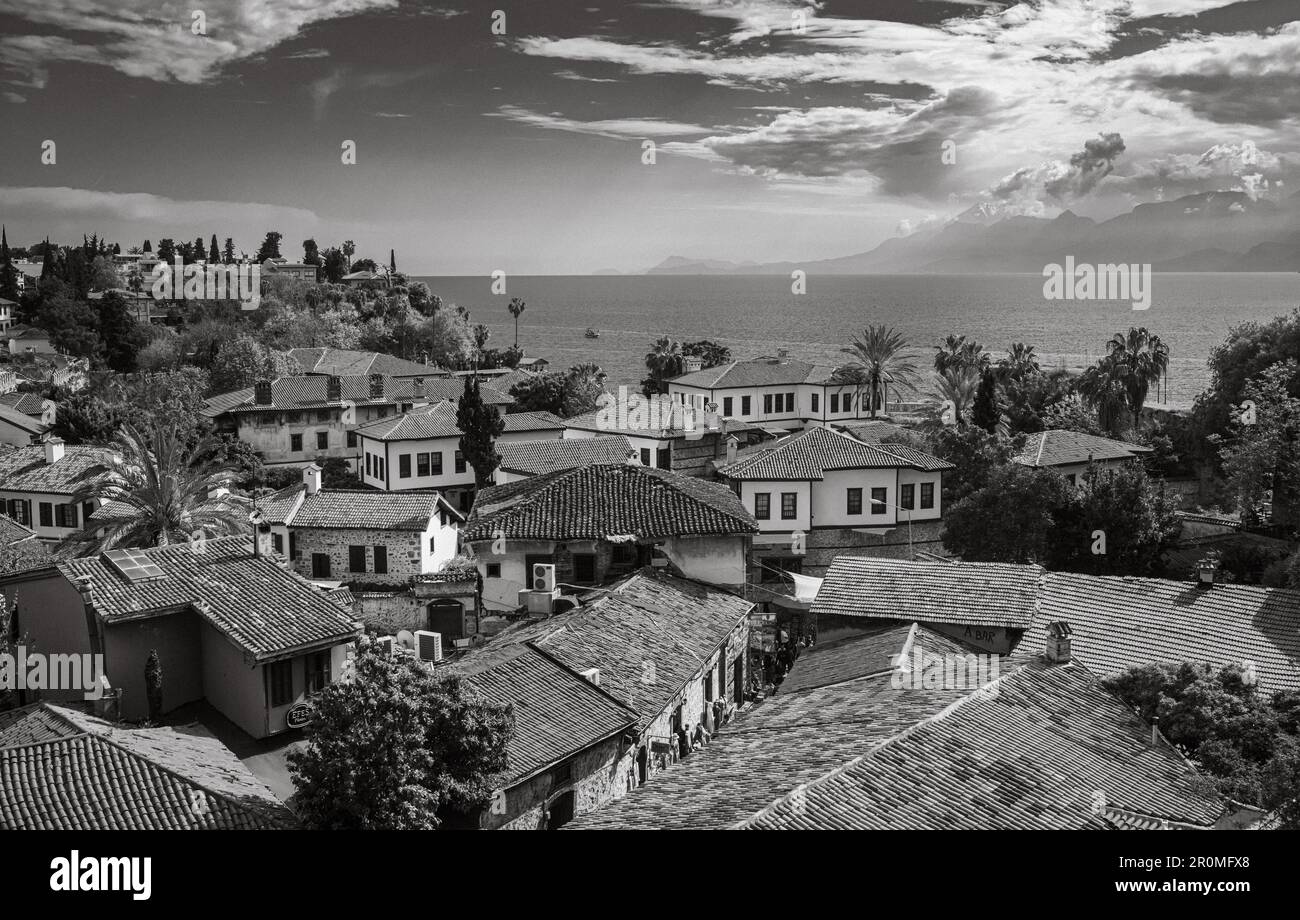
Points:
(7, 309)
(420, 449)
(777, 392)
(646, 423)
(18, 429)
(1070, 452)
(37, 484)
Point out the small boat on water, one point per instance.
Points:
(592, 333)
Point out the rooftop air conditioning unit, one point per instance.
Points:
(462, 644)
(543, 577)
(386, 644)
(428, 645)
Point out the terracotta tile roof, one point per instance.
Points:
(12, 532)
(557, 712)
(262, 608)
(370, 510)
(1045, 747)
(23, 469)
(533, 421)
(279, 507)
(649, 635)
(604, 500)
(344, 362)
(974, 593)
(312, 392)
(808, 454)
(70, 771)
(552, 454)
(656, 418)
(1119, 623)
(864, 655)
(873, 431)
(760, 372)
(1059, 447)
(27, 403)
(438, 420)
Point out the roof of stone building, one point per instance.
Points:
(346, 362)
(970, 593)
(759, 372)
(438, 420)
(264, 609)
(312, 392)
(370, 510)
(648, 635)
(27, 403)
(604, 501)
(1043, 747)
(557, 712)
(61, 769)
(1059, 447)
(23, 469)
(552, 454)
(812, 452)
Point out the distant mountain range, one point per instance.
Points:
(1208, 232)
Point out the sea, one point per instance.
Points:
(754, 315)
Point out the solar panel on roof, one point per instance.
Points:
(133, 564)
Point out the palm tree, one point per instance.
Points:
(1019, 362)
(957, 352)
(516, 307)
(349, 248)
(1122, 379)
(1103, 391)
(664, 361)
(159, 488)
(958, 385)
(879, 359)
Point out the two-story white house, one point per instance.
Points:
(776, 392)
(37, 484)
(420, 449)
(811, 491)
(8, 308)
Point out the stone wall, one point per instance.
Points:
(389, 612)
(404, 553)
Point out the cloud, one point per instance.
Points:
(141, 39)
(620, 128)
(1035, 191)
(571, 75)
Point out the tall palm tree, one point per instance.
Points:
(1122, 379)
(958, 385)
(1019, 362)
(159, 487)
(878, 359)
(665, 360)
(1103, 391)
(957, 352)
(516, 307)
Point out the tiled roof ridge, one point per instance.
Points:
(536, 647)
(1042, 442)
(986, 691)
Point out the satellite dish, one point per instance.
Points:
(255, 517)
(406, 638)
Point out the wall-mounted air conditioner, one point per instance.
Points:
(386, 644)
(428, 645)
(543, 577)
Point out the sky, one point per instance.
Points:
(512, 135)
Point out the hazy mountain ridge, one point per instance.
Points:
(1209, 231)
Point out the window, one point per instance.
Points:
(816, 399)
(280, 676)
(356, 558)
(422, 464)
(322, 440)
(20, 510)
(318, 671)
(47, 514)
(879, 502)
(584, 568)
(277, 543)
(927, 495)
(645, 456)
(855, 501)
(907, 496)
(789, 402)
(460, 462)
(323, 416)
(789, 505)
(381, 560)
(726, 406)
(663, 458)
(494, 570)
(623, 555)
(320, 565)
(404, 466)
(744, 405)
(87, 509)
(763, 505)
(435, 463)
(292, 418)
(65, 515)
(293, 545)
(835, 402)
(368, 466)
(379, 467)
(295, 443)
(767, 403)
(352, 439)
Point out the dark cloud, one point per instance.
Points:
(1088, 167)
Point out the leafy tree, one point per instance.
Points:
(8, 273)
(974, 452)
(984, 410)
(334, 265)
(365, 265)
(1008, 520)
(121, 336)
(1261, 454)
(516, 307)
(481, 424)
(424, 301)
(878, 359)
(214, 254)
(167, 250)
(228, 252)
(153, 685)
(711, 354)
(310, 253)
(147, 247)
(159, 486)
(47, 261)
(270, 248)
(242, 361)
(395, 747)
(1131, 511)
(392, 261)
(86, 417)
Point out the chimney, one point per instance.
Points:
(731, 450)
(1058, 642)
(109, 704)
(783, 354)
(262, 393)
(1155, 730)
(711, 416)
(417, 387)
(311, 478)
(376, 386)
(334, 389)
(53, 450)
(632, 458)
(1206, 570)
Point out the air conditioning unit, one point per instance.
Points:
(428, 645)
(543, 577)
(462, 644)
(386, 644)
(592, 676)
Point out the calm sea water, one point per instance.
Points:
(755, 315)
